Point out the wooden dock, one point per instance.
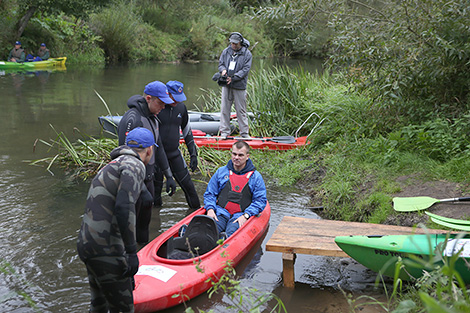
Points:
(314, 236)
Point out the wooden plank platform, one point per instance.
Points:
(314, 236)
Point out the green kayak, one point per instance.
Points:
(52, 62)
(418, 252)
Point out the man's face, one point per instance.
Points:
(155, 104)
(148, 156)
(239, 157)
(236, 46)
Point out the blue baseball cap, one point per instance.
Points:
(140, 137)
(18, 43)
(43, 45)
(159, 90)
(176, 89)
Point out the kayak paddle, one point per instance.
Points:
(408, 204)
(451, 225)
(448, 219)
(280, 139)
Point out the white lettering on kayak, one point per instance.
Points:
(156, 271)
(455, 245)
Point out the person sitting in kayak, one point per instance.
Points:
(42, 55)
(236, 192)
(43, 52)
(17, 53)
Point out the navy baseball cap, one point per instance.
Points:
(176, 89)
(159, 90)
(140, 137)
(18, 43)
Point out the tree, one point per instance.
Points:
(78, 8)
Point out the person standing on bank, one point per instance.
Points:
(235, 64)
(142, 113)
(173, 118)
(236, 192)
(106, 241)
(17, 53)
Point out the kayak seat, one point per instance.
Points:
(200, 237)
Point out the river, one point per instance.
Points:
(40, 211)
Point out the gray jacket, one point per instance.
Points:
(239, 74)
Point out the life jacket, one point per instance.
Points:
(16, 53)
(236, 195)
(41, 53)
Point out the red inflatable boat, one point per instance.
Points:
(159, 278)
(270, 143)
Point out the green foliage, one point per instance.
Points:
(64, 36)
(405, 50)
(83, 158)
(298, 27)
(116, 26)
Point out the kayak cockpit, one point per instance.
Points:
(197, 238)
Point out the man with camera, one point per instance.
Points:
(234, 66)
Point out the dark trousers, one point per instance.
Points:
(183, 178)
(143, 216)
(111, 291)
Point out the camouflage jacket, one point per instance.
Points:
(108, 226)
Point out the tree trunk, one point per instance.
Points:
(24, 20)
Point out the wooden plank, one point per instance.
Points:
(316, 236)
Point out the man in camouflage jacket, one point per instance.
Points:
(106, 241)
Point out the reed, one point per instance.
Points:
(84, 157)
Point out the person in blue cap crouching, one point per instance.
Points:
(106, 240)
(142, 113)
(173, 119)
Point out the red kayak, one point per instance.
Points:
(270, 143)
(160, 278)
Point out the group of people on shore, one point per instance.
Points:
(121, 196)
(18, 54)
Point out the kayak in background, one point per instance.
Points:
(205, 122)
(29, 66)
(269, 143)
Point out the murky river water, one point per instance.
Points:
(40, 213)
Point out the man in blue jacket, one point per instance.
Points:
(235, 64)
(236, 192)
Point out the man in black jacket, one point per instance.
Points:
(174, 119)
(142, 113)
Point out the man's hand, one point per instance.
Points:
(132, 264)
(170, 185)
(241, 220)
(193, 163)
(211, 213)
